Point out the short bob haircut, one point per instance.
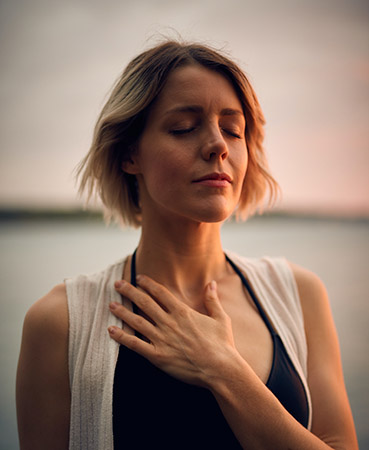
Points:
(122, 121)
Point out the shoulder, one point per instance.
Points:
(49, 315)
(42, 386)
(310, 286)
(45, 331)
(313, 297)
(319, 325)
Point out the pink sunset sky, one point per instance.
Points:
(308, 61)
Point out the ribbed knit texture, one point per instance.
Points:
(92, 358)
(93, 354)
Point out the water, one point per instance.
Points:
(37, 255)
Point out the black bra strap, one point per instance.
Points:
(247, 285)
(133, 278)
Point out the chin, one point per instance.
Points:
(204, 212)
(214, 216)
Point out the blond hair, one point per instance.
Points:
(122, 121)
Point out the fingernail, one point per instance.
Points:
(118, 284)
(113, 305)
(111, 330)
(138, 278)
(213, 285)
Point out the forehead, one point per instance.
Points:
(195, 84)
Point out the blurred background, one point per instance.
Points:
(309, 64)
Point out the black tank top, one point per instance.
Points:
(154, 410)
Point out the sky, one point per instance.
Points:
(307, 60)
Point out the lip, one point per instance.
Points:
(214, 179)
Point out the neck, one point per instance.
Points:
(184, 257)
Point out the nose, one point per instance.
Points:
(214, 145)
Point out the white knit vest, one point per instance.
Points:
(93, 354)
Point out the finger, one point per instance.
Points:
(135, 321)
(144, 302)
(132, 342)
(212, 302)
(158, 292)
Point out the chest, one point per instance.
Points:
(252, 336)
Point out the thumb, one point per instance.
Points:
(212, 302)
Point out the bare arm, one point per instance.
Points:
(42, 387)
(332, 418)
(199, 349)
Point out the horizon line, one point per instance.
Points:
(47, 213)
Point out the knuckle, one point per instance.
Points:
(131, 342)
(160, 358)
(144, 302)
(156, 290)
(140, 321)
(182, 312)
(154, 334)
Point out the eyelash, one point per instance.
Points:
(233, 134)
(188, 130)
(182, 131)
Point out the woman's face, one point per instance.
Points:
(191, 159)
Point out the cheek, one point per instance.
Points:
(241, 166)
(161, 172)
(241, 163)
(244, 161)
(245, 171)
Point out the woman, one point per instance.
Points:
(203, 349)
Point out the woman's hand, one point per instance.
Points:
(184, 343)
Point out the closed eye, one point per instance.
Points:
(232, 133)
(180, 131)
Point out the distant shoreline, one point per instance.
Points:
(77, 214)
(14, 214)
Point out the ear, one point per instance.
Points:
(130, 165)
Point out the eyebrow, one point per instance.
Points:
(199, 109)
